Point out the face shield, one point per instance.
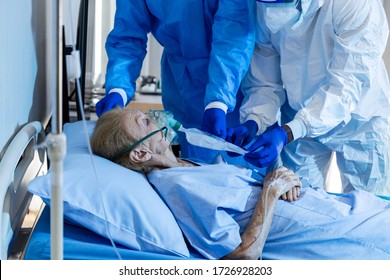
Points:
(281, 13)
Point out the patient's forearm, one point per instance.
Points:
(255, 235)
(276, 183)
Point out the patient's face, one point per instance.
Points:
(140, 124)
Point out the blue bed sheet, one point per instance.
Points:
(83, 244)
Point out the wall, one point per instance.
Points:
(22, 66)
(103, 25)
(102, 20)
(24, 88)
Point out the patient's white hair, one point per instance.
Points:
(110, 137)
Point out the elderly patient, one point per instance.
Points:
(226, 212)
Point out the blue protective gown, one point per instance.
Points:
(212, 211)
(207, 49)
(326, 74)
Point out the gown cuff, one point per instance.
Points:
(122, 93)
(217, 104)
(298, 128)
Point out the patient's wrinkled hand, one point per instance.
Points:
(285, 182)
(292, 194)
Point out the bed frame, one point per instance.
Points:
(20, 163)
(25, 220)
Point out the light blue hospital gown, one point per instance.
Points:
(213, 204)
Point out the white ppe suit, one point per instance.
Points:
(326, 74)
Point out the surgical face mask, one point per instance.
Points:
(164, 118)
(280, 14)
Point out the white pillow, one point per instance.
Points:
(135, 214)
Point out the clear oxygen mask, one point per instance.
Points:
(164, 118)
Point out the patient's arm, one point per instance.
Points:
(253, 239)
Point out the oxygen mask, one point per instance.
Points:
(164, 118)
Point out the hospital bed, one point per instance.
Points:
(109, 212)
(140, 226)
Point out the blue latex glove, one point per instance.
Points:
(242, 134)
(271, 143)
(214, 122)
(109, 102)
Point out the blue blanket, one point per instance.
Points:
(213, 204)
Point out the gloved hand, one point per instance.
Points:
(272, 142)
(214, 122)
(108, 102)
(242, 134)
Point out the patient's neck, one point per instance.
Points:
(167, 160)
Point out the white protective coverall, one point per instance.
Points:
(326, 74)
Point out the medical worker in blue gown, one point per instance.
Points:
(207, 50)
(320, 63)
(230, 211)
